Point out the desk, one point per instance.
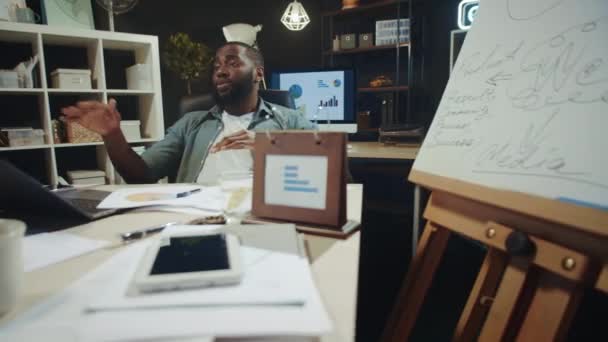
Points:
(334, 264)
(378, 150)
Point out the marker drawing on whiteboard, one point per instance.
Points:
(527, 10)
(531, 156)
(479, 61)
(459, 113)
(559, 70)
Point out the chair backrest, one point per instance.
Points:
(206, 102)
(280, 97)
(193, 103)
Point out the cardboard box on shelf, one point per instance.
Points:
(366, 40)
(387, 31)
(139, 77)
(348, 41)
(131, 129)
(71, 79)
(21, 136)
(77, 134)
(9, 79)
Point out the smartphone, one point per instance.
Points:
(188, 261)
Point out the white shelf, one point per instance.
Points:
(129, 92)
(79, 144)
(74, 91)
(98, 51)
(144, 140)
(21, 91)
(96, 143)
(21, 148)
(62, 34)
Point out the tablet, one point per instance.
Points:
(188, 261)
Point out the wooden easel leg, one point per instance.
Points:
(484, 289)
(417, 282)
(552, 309)
(513, 294)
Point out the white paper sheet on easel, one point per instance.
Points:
(296, 181)
(525, 107)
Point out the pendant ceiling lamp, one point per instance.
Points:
(295, 17)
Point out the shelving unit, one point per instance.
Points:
(106, 54)
(365, 49)
(383, 89)
(389, 104)
(74, 91)
(17, 91)
(360, 8)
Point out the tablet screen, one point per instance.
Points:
(192, 254)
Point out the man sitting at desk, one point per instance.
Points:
(203, 143)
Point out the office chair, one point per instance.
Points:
(206, 102)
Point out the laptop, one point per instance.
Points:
(23, 197)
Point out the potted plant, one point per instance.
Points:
(188, 59)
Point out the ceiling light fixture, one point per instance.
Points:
(295, 17)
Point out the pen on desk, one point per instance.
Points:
(187, 193)
(141, 233)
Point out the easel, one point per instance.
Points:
(541, 255)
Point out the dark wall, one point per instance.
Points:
(439, 18)
(283, 49)
(203, 21)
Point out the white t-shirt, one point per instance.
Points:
(232, 161)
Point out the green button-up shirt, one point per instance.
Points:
(188, 141)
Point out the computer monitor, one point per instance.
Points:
(324, 96)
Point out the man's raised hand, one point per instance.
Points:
(94, 115)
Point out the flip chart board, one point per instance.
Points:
(526, 106)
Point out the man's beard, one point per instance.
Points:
(239, 91)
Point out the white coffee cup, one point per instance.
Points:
(11, 263)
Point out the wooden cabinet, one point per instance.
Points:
(106, 55)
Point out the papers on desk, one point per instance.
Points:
(269, 278)
(180, 210)
(226, 320)
(207, 198)
(44, 249)
(231, 196)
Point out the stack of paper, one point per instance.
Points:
(232, 197)
(260, 285)
(98, 309)
(44, 249)
(207, 198)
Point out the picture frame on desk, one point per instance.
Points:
(68, 13)
(301, 177)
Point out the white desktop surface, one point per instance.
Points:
(334, 264)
